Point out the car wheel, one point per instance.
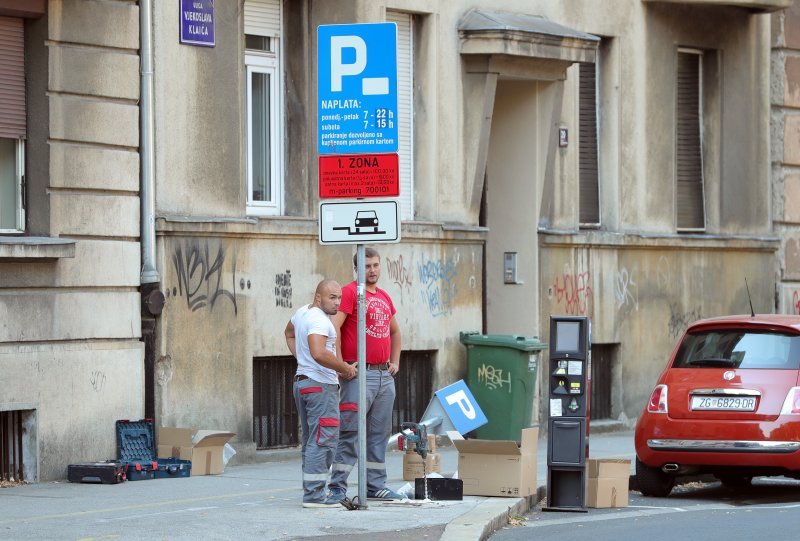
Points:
(734, 481)
(653, 481)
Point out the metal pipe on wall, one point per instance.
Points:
(146, 150)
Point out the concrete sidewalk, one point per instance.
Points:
(261, 501)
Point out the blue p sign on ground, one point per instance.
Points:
(462, 408)
(357, 88)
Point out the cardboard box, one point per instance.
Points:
(412, 465)
(499, 467)
(202, 447)
(608, 482)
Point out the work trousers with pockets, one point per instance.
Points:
(318, 406)
(380, 402)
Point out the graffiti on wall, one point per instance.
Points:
(283, 289)
(98, 380)
(438, 288)
(679, 321)
(494, 378)
(625, 289)
(200, 270)
(795, 308)
(572, 291)
(400, 274)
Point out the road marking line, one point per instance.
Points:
(644, 511)
(150, 505)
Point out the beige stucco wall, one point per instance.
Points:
(69, 337)
(205, 352)
(641, 294)
(199, 116)
(230, 295)
(74, 323)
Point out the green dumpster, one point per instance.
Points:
(501, 373)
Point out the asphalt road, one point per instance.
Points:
(766, 510)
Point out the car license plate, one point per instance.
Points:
(724, 403)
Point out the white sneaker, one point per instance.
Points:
(327, 502)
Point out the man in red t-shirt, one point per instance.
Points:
(383, 362)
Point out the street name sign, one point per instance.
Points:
(359, 175)
(371, 221)
(357, 88)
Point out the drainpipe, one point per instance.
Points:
(146, 152)
(151, 296)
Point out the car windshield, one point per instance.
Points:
(737, 348)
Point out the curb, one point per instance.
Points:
(490, 516)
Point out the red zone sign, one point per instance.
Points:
(359, 175)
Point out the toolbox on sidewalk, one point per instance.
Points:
(109, 472)
(169, 468)
(135, 446)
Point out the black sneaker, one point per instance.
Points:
(383, 494)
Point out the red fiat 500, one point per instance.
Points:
(727, 404)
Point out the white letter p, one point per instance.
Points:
(463, 403)
(338, 68)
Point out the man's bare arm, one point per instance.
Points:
(394, 357)
(316, 344)
(289, 334)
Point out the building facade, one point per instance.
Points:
(165, 194)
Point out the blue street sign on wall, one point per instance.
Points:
(357, 88)
(197, 22)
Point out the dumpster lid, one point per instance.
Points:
(502, 340)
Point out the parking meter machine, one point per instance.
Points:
(568, 419)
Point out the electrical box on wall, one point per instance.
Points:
(510, 268)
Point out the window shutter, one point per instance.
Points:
(405, 111)
(690, 212)
(12, 78)
(589, 202)
(262, 17)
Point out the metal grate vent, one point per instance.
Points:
(11, 463)
(275, 419)
(414, 386)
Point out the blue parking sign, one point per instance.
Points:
(462, 408)
(357, 88)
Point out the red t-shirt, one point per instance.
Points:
(379, 313)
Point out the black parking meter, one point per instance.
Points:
(568, 420)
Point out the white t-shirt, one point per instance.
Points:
(312, 320)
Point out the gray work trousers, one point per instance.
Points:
(318, 406)
(379, 406)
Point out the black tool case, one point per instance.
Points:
(136, 447)
(171, 468)
(109, 472)
(439, 489)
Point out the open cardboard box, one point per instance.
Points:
(499, 467)
(202, 447)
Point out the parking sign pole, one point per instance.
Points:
(362, 378)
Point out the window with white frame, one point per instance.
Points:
(12, 125)
(264, 143)
(405, 108)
